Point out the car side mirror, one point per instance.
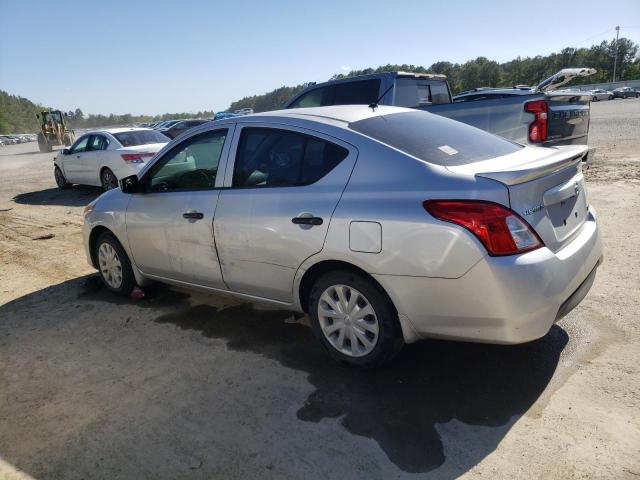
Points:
(66, 151)
(130, 184)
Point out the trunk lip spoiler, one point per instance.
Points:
(558, 160)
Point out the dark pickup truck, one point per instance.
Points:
(527, 115)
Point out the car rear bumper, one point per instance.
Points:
(513, 299)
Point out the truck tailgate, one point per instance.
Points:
(568, 118)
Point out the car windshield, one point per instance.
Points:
(433, 138)
(140, 137)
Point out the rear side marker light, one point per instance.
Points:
(501, 230)
(136, 157)
(538, 128)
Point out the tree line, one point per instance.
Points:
(17, 114)
(482, 72)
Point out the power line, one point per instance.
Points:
(595, 36)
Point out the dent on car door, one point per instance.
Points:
(285, 185)
(170, 223)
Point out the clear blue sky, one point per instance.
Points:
(182, 55)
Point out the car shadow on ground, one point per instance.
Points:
(76, 196)
(406, 407)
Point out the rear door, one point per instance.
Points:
(274, 213)
(170, 225)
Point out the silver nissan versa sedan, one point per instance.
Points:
(386, 225)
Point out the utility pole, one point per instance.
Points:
(615, 58)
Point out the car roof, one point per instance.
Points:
(330, 115)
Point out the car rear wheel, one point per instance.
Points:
(60, 180)
(594, 99)
(354, 319)
(113, 264)
(108, 180)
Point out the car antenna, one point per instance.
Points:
(374, 105)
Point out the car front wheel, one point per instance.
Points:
(113, 264)
(354, 319)
(60, 180)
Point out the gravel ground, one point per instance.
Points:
(187, 385)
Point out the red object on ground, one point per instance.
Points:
(137, 293)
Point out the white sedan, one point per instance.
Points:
(103, 157)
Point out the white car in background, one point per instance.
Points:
(101, 158)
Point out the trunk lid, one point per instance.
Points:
(546, 188)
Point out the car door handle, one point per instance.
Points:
(307, 220)
(193, 215)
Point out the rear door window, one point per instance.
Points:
(97, 142)
(269, 157)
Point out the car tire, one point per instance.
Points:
(108, 180)
(594, 99)
(610, 97)
(61, 181)
(113, 265)
(379, 328)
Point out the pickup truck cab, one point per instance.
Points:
(527, 115)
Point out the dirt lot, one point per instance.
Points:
(186, 385)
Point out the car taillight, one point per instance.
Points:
(136, 157)
(501, 230)
(538, 128)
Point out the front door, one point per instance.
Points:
(170, 225)
(277, 206)
(73, 161)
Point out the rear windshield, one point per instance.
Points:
(416, 92)
(140, 137)
(433, 138)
